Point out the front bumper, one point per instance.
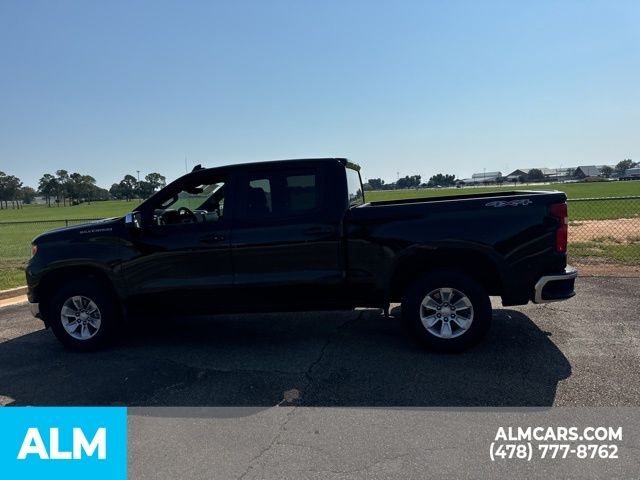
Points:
(35, 309)
(556, 287)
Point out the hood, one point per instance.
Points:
(105, 225)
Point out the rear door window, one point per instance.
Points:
(281, 193)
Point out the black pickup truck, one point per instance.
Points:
(299, 235)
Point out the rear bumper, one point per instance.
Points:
(556, 287)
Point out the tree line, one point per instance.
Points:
(129, 187)
(448, 180)
(63, 188)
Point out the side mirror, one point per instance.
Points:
(133, 220)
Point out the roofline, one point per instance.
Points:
(341, 160)
(223, 168)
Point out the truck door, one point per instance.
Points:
(184, 258)
(286, 242)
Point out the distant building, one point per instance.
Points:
(516, 174)
(481, 178)
(631, 174)
(551, 174)
(584, 171)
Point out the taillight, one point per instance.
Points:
(559, 211)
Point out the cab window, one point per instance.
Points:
(195, 203)
(281, 193)
(354, 188)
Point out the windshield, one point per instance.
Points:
(197, 198)
(194, 204)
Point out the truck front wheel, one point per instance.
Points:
(82, 314)
(447, 311)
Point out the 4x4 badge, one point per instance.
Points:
(510, 203)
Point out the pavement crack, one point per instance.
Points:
(330, 339)
(274, 441)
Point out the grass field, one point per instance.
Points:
(15, 239)
(112, 208)
(573, 190)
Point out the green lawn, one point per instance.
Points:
(15, 239)
(573, 190)
(111, 208)
(609, 249)
(11, 275)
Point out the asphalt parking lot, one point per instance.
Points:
(581, 352)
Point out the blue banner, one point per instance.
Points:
(63, 442)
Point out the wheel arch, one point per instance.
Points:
(51, 279)
(477, 265)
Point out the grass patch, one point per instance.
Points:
(110, 208)
(573, 190)
(605, 210)
(626, 253)
(12, 275)
(608, 239)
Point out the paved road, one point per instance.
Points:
(585, 351)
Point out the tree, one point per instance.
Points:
(99, 193)
(144, 189)
(116, 192)
(4, 188)
(62, 178)
(623, 165)
(535, 175)
(27, 194)
(9, 190)
(89, 188)
(74, 187)
(127, 187)
(376, 183)
(606, 171)
(408, 181)
(48, 186)
(156, 180)
(442, 180)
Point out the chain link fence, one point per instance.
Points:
(604, 238)
(604, 235)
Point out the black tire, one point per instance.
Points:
(459, 338)
(109, 313)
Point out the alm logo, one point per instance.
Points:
(63, 442)
(33, 444)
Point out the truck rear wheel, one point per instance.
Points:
(447, 311)
(82, 314)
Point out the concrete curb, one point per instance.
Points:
(13, 292)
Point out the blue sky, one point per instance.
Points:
(415, 87)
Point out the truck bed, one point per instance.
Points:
(472, 196)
